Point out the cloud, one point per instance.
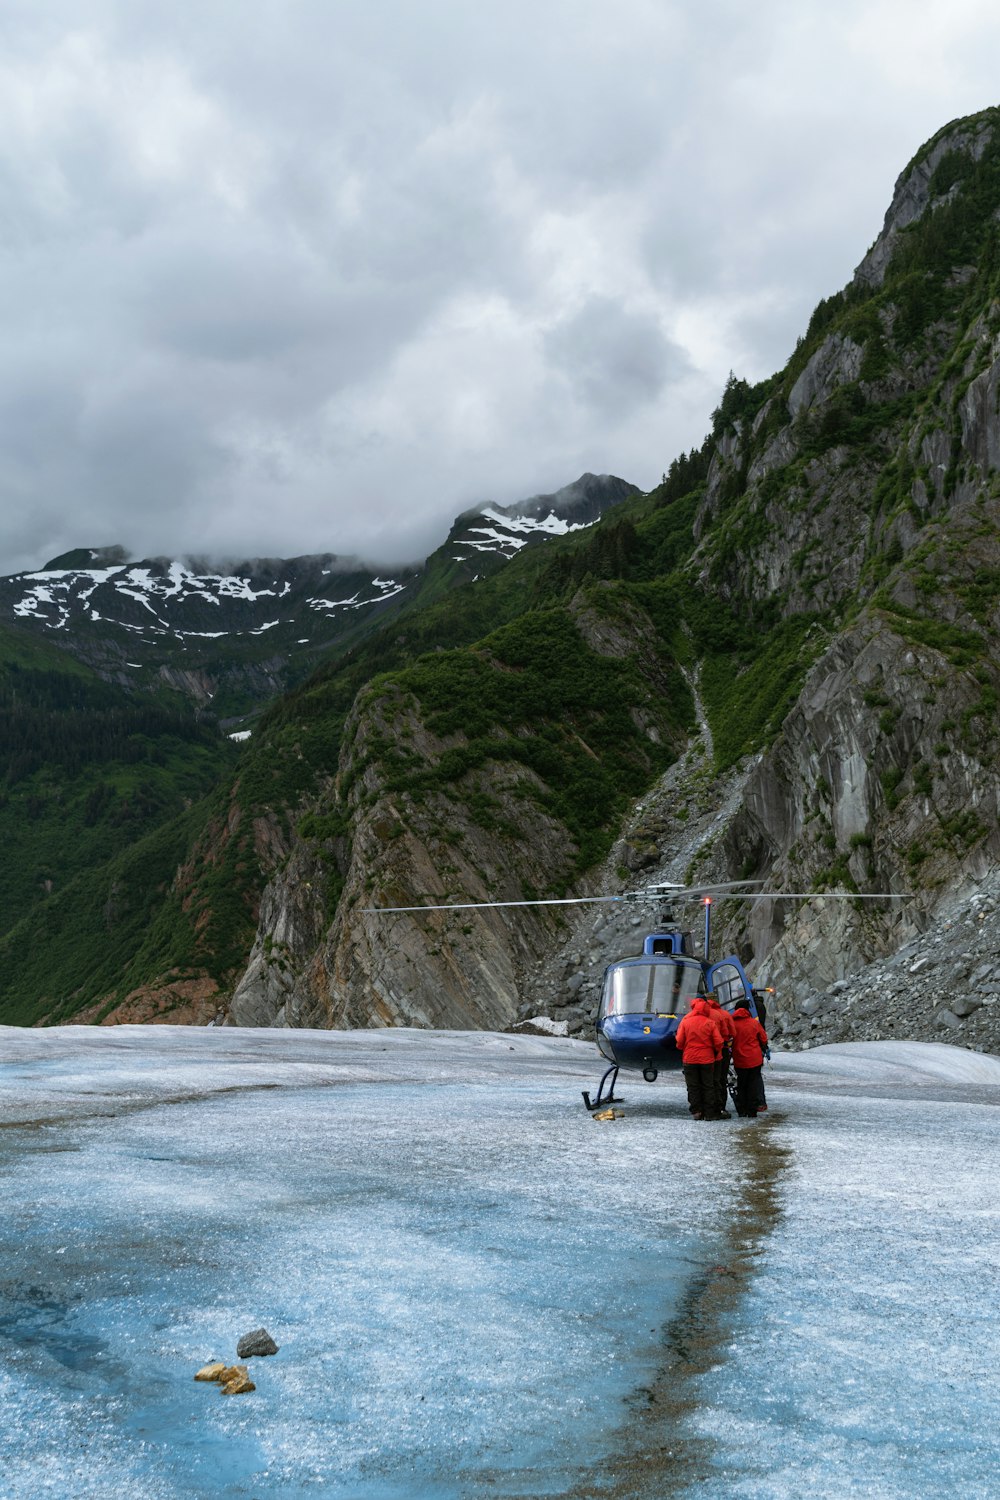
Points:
(310, 275)
(614, 359)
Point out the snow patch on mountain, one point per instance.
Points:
(509, 533)
(56, 597)
(384, 588)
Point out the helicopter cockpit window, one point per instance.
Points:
(728, 985)
(665, 989)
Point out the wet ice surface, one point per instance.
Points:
(465, 1273)
(864, 1358)
(469, 1279)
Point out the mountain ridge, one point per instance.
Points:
(167, 611)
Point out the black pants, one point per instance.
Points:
(749, 1091)
(700, 1080)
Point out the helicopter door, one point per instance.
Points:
(730, 983)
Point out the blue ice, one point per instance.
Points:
(466, 1275)
(472, 1282)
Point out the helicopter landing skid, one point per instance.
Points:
(602, 1097)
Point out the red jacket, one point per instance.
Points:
(723, 1020)
(751, 1039)
(699, 1039)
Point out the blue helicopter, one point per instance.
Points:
(644, 998)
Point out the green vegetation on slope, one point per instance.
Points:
(99, 799)
(86, 771)
(85, 940)
(589, 726)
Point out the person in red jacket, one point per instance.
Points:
(699, 1041)
(748, 1060)
(724, 1021)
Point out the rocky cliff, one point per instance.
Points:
(462, 779)
(858, 491)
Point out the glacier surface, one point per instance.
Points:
(477, 1289)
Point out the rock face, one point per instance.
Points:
(870, 783)
(912, 194)
(452, 969)
(836, 362)
(490, 832)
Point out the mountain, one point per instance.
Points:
(231, 638)
(851, 505)
(115, 677)
(781, 664)
(225, 638)
(487, 532)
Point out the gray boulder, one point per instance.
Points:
(259, 1342)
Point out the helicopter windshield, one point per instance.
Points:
(665, 988)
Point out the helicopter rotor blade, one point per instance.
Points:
(821, 895)
(668, 891)
(662, 892)
(484, 905)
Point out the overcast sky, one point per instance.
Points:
(285, 276)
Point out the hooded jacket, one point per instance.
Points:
(751, 1039)
(699, 1038)
(722, 1019)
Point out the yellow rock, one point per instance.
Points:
(609, 1114)
(214, 1370)
(238, 1385)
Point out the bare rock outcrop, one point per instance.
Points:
(912, 196)
(365, 967)
(836, 361)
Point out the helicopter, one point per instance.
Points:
(644, 997)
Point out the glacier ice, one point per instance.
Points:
(475, 1287)
(466, 1275)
